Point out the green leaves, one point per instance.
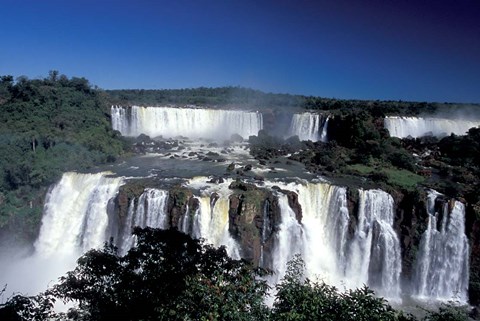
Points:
(166, 276)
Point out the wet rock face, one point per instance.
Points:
(295, 205)
(178, 200)
(474, 283)
(127, 193)
(254, 216)
(144, 144)
(410, 222)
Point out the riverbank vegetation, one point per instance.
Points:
(169, 276)
(48, 126)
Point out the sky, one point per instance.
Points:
(416, 50)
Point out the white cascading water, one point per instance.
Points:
(190, 122)
(212, 222)
(309, 126)
(74, 220)
(211, 219)
(375, 257)
(75, 217)
(442, 266)
(324, 133)
(150, 211)
(403, 127)
(321, 238)
(325, 221)
(289, 240)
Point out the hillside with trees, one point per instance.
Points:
(48, 126)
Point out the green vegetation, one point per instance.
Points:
(403, 178)
(220, 97)
(246, 97)
(48, 126)
(169, 276)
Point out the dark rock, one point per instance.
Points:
(254, 216)
(212, 145)
(216, 180)
(242, 186)
(247, 167)
(231, 167)
(178, 199)
(192, 154)
(295, 205)
(207, 159)
(212, 154)
(213, 199)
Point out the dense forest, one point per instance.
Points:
(48, 126)
(246, 97)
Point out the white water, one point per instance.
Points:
(74, 220)
(288, 241)
(309, 126)
(150, 211)
(375, 257)
(321, 238)
(325, 220)
(403, 127)
(190, 122)
(75, 217)
(210, 221)
(441, 271)
(372, 257)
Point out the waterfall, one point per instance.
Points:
(150, 211)
(375, 250)
(211, 223)
(184, 224)
(288, 241)
(190, 122)
(324, 133)
(321, 238)
(75, 216)
(403, 127)
(325, 221)
(441, 270)
(309, 126)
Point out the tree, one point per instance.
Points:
(299, 298)
(166, 276)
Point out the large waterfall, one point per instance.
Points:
(325, 221)
(189, 122)
(341, 248)
(375, 250)
(403, 127)
(150, 211)
(373, 255)
(75, 217)
(442, 263)
(309, 126)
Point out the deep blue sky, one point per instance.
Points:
(366, 49)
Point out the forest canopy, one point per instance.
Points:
(49, 126)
